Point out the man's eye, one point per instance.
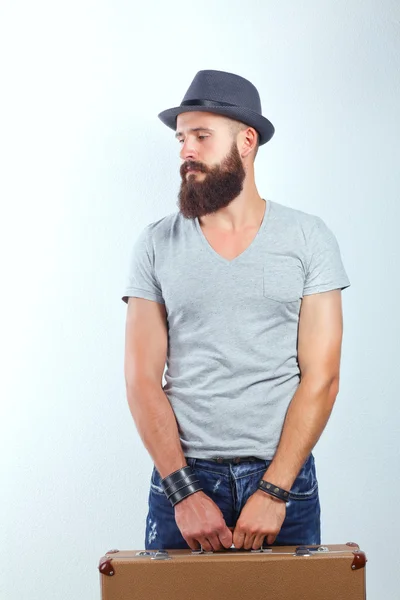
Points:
(200, 137)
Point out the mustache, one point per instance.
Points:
(192, 165)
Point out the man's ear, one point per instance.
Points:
(249, 141)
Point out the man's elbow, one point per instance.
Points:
(322, 383)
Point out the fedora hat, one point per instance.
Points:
(225, 94)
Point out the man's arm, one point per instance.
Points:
(319, 350)
(198, 518)
(146, 343)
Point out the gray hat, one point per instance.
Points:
(225, 94)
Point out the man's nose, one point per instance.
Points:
(188, 152)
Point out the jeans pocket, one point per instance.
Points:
(155, 483)
(305, 485)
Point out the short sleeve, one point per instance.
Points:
(142, 281)
(325, 270)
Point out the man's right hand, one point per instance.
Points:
(201, 521)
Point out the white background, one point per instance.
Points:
(86, 164)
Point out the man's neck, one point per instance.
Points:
(237, 217)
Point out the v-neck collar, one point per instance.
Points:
(253, 243)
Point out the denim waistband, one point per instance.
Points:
(235, 460)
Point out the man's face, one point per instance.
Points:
(218, 173)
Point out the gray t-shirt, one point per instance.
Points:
(232, 365)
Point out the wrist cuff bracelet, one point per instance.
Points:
(190, 489)
(273, 490)
(180, 484)
(174, 487)
(176, 476)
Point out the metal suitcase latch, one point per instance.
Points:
(309, 550)
(161, 555)
(154, 554)
(302, 551)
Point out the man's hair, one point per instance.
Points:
(237, 126)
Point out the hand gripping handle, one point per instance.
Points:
(232, 549)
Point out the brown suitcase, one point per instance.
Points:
(333, 572)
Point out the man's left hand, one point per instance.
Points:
(262, 516)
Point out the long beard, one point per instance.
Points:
(220, 185)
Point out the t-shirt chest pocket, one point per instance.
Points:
(282, 279)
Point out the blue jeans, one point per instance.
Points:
(230, 486)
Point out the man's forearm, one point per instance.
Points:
(157, 426)
(306, 418)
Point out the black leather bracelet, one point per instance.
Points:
(273, 490)
(185, 492)
(180, 484)
(174, 487)
(176, 475)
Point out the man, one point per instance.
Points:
(242, 297)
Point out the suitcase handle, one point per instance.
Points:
(230, 550)
(264, 548)
(299, 550)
